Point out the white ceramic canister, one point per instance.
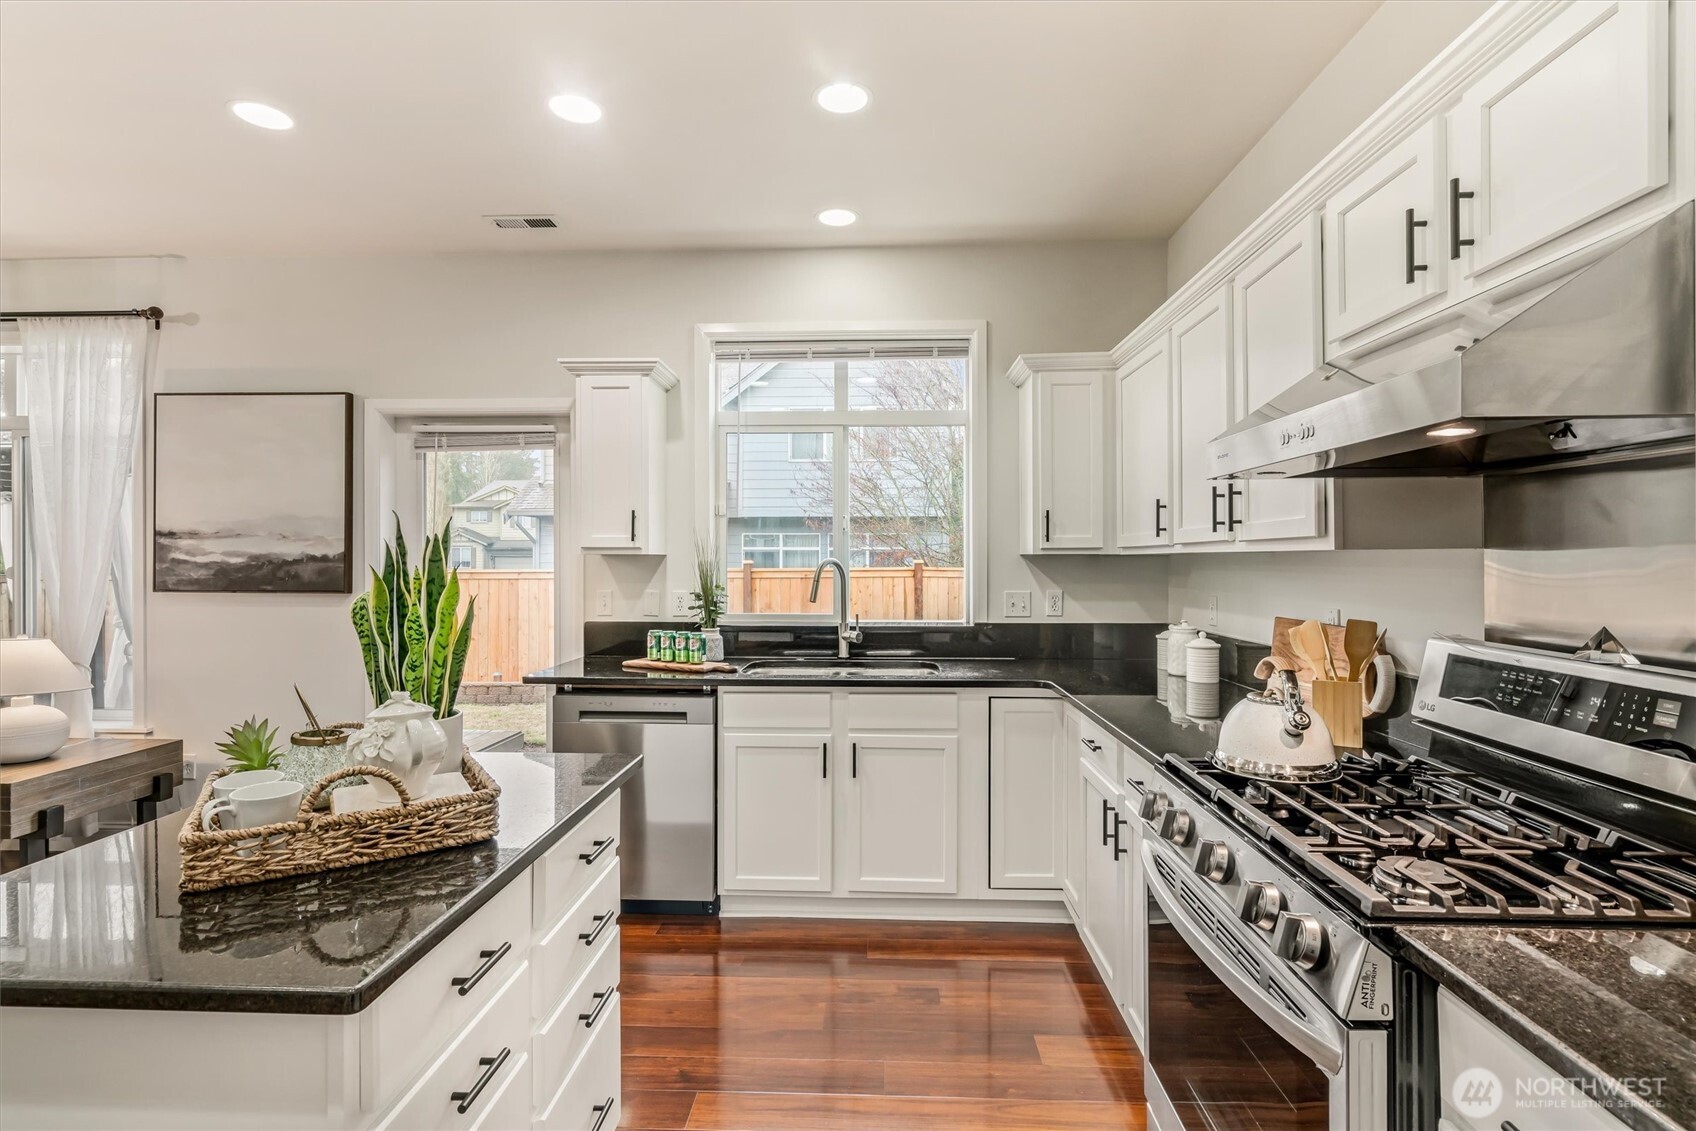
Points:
(1201, 700)
(1180, 635)
(1162, 653)
(1201, 660)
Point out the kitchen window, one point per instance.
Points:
(857, 449)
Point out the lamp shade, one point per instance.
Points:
(31, 666)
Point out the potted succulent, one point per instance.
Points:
(412, 634)
(706, 600)
(251, 745)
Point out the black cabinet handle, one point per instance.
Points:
(1045, 536)
(489, 957)
(1216, 497)
(1158, 507)
(1092, 746)
(1232, 494)
(602, 921)
(824, 760)
(1412, 267)
(1106, 807)
(603, 1110)
(602, 999)
(600, 847)
(1455, 197)
(1119, 849)
(854, 754)
(633, 526)
(1508, 1124)
(491, 1066)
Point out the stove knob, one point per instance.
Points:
(1177, 827)
(1260, 904)
(1213, 862)
(1153, 806)
(1299, 939)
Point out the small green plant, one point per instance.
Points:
(252, 745)
(409, 626)
(706, 601)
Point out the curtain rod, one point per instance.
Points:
(152, 313)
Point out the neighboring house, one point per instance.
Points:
(508, 524)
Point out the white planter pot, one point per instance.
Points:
(715, 645)
(454, 727)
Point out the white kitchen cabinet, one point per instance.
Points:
(1072, 880)
(1063, 442)
(1383, 235)
(618, 454)
(775, 812)
(1568, 127)
(1138, 776)
(1277, 339)
(1027, 794)
(902, 813)
(1144, 401)
(1102, 925)
(1201, 359)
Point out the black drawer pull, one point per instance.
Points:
(491, 1066)
(1093, 747)
(489, 957)
(602, 921)
(600, 846)
(604, 1110)
(602, 1000)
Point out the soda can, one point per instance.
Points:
(665, 646)
(697, 648)
(653, 644)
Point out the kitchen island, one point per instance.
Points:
(438, 990)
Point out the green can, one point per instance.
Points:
(668, 646)
(697, 648)
(653, 644)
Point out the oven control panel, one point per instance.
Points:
(1601, 708)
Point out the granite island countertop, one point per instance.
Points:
(105, 925)
(1600, 1005)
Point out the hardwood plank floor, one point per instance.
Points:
(832, 1025)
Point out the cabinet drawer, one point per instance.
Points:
(425, 1010)
(591, 1098)
(902, 713)
(472, 1081)
(802, 710)
(583, 855)
(575, 940)
(1095, 743)
(583, 1013)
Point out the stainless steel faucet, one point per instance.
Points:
(846, 633)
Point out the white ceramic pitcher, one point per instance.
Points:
(403, 737)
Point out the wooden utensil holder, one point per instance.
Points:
(1342, 704)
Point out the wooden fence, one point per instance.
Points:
(916, 592)
(514, 632)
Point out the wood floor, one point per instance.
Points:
(825, 1025)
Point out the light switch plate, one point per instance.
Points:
(1017, 603)
(1213, 612)
(1054, 603)
(679, 604)
(603, 602)
(651, 603)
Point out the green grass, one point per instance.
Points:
(531, 718)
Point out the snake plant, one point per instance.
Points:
(409, 625)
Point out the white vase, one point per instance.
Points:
(454, 727)
(715, 645)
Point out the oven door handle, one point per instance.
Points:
(1325, 1049)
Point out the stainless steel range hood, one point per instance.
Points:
(1602, 366)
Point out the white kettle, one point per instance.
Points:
(403, 737)
(1272, 736)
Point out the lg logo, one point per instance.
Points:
(1477, 1092)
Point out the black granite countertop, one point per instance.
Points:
(1600, 1005)
(1118, 694)
(105, 925)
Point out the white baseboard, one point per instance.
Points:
(934, 909)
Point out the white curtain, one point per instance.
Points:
(82, 380)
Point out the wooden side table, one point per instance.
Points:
(37, 798)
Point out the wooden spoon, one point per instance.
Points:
(1308, 640)
(1358, 637)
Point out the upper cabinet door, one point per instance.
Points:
(1145, 446)
(1277, 339)
(1383, 234)
(1069, 461)
(616, 437)
(1201, 359)
(1568, 127)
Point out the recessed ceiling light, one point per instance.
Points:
(837, 217)
(261, 115)
(842, 97)
(1453, 431)
(575, 108)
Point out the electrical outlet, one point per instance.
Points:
(651, 603)
(1054, 603)
(679, 604)
(1333, 616)
(1213, 612)
(603, 602)
(1017, 603)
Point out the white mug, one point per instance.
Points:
(255, 805)
(229, 783)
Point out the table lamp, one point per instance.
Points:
(30, 667)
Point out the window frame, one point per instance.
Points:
(711, 500)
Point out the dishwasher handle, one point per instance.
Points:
(637, 709)
(658, 718)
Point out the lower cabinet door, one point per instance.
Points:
(903, 813)
(1101, 925)
(1027, 794)
(591, 1099)
(1075, 831)
(775, 807)
(576, 1020)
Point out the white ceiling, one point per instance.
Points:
(988, 121)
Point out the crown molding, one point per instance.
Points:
(1027, 365)
(652, 368)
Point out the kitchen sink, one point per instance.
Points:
(826, 666)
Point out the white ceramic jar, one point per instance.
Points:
(1178, 637)
(1201, 660)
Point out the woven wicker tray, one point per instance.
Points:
(319, 842)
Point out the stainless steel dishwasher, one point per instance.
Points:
(669, 827)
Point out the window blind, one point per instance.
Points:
(837, 351)
(460, 439)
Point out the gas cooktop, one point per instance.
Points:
(1410, 837)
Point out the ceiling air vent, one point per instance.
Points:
(522, 221)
